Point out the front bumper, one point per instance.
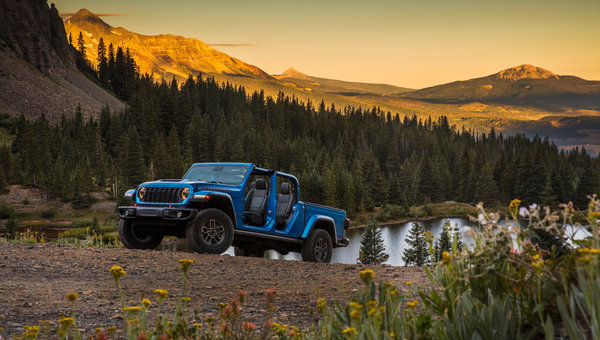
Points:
(157, 213)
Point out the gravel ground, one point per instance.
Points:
(34, 280)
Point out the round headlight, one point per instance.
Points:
(141, 192)
(185, 193)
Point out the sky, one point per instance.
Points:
(406, 43)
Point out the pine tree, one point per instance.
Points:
(135, 170)
(372, 248)
(11, 226)
(81, 46)
(444, 243)
(417, 253)
(102, 62)
(457, 239)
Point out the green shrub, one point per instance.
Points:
(49, 213)
(82, 223)
(6, 210)
(80, 201)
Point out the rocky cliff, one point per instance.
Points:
(36, 33)
(37, 68)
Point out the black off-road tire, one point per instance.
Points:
(211, 232)
(317, 247)
(249, 252)
(133, 237)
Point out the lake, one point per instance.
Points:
(394, 238)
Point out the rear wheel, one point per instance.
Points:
(211, 232)
(249, 251)
(317, 247)
(134, 237)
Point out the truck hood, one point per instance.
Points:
(197, 185)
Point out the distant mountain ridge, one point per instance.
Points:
(164, 55)
(521, 85)
(341, 87)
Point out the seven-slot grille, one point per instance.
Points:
(162, 195)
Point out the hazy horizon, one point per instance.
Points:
(411, 45)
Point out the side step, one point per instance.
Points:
(268, 236)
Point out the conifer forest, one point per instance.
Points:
(352, 158)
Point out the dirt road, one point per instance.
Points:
(34, 280)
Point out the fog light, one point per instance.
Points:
(179, 214)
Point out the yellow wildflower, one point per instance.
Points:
(446, 257)
(98, 330)
(111, 329)
(585, 259)
(392, 335)
(146, 303)
(412, 304)
(355, 314)
(162, 294)
(210, 319)
(72, 297)
(367, 275)
(372, 304)
(66, 321)
(536, 257)
(321, 304)
(133, 309)
(185, 264)
(198, 325)
(31, 331)
(408, 283)
(356, 305)
(117, 272)
(538, 263)
(221, 305)
(514, 204)
(349, 331)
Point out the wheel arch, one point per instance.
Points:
(321, 222)
(222, 202)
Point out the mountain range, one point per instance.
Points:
(525, 98)
(164, 55)
(521, 85)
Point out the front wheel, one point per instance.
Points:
(211, 232)
(134, 237)
(317, 247)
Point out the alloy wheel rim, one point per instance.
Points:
(212, 232)
(321, 250)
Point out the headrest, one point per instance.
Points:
(252, 186)
(285, 188)
(260, 184)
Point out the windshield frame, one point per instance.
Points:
(242, 170)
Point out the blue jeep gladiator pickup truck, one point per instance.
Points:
(216, 205)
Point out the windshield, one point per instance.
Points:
(217, 173)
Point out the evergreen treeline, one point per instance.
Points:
(351, 158)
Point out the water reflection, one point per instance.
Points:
(394, 238)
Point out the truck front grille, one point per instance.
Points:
(162, 195)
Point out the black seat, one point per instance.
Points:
(249, 195)
(284, 204)
(255, 214)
